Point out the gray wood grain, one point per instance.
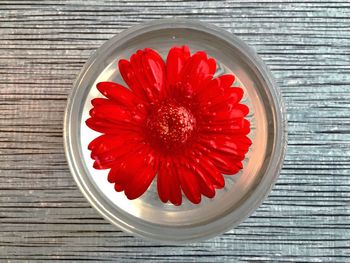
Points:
(44, 44)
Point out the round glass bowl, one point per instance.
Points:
(147, 216)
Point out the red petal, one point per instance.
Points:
(163, 183)
(241, 110)
(104, 144)
(212, 65)
(118, 187)
(210, 170)
(240, 142)
(215, 88)
(206, 186)
(189, 184)
(225, 146)
(112, 175)
(205, 183)
(235, 94)
(154, 69)
(138, 188)
(168, 184)
(113, 113)
(100, 125)
(239, 166)
(148, 71)
(225, 167)
(136, 63)
(130, 77)
(135, 187)
(101, 142)
(197, 70)
(227, 101)
(117, 93)
(101, 101)
(118, 177)
(224, 164)
(238, 112)
(115, 156)
(176, 59)
(226, 80)
(228, 127)
(107, 127)
(139, 109)
(128, 168)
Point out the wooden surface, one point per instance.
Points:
(43, 215)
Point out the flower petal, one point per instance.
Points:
(227, 101)
(118, 187)
(216, 87)
(138, 67)
(154, 70)
(112, 113)
(148, 70)
(108, 127)
(141, 180)
(128, 163)
(100, 125)
(205, 183)
(175, 191)
(228, 127)
(238, 112)
(163, 182)
(115, 156)
(168, 184)
(130, 77)
(206, 186)
(117, 93)
(198, 69)
(224, 164)
(112, 175)
(127, 168)
(106, 144)
(118, 177)
(138, 188)
(189, 184)
(212, 66)
(176, 59)
(213, 174)
(234, 145)
(101, 101)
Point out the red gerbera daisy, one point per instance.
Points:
(177, 122)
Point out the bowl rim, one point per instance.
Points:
(251, 203)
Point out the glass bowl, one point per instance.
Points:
(147, 216)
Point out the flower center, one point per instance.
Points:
(170, 125)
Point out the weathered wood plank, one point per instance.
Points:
(43, 45)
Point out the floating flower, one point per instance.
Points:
(177, 122)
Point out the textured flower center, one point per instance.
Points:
(170, 125)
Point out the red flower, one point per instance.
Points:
(177, 121)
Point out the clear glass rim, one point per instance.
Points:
(227, 221)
